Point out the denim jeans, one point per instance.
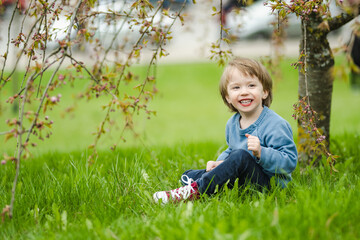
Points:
(238, 165)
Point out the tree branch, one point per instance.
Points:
(114, 38)
(135, 47)
(89, 73)
(7, 44)
(18, 59)
(340, 20)
(21, 146)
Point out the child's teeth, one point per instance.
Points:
(245, 101)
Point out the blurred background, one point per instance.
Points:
(249, 27)
(188, 106)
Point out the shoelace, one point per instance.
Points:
(185, 191)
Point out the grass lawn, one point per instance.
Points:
(189, 109)
(60, 196)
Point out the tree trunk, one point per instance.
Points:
(317, 85)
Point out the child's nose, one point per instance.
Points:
(244, 91)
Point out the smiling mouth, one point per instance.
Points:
(245, 102)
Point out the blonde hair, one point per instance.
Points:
(251, 68)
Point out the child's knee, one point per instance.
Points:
(239, 154)
(186, 172)
(240, 158)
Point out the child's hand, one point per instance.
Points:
(254, 145)
(210, 165)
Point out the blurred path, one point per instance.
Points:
(192, 41)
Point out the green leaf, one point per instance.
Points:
(64, 220)
(89, 224)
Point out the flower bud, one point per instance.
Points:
(53, 99)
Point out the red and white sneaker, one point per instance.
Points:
(188, 192)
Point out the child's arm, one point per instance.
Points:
(225, 153)
(279, 153)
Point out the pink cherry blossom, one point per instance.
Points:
(53, 99)
(61, 77)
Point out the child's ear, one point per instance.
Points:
(228, 99)
(266, 94)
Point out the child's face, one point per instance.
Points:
(245, 93)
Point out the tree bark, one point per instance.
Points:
(317, 85)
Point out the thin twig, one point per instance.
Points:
(43, 98)
(135, 47)
(221, 23)
(305, 64)
(19, 57)
(153, 59)
(39, 73)
(121, 76)
(8, 42)
(90, 74)
(114, 38)
(4, 133)
(21, 146)
(44, 50)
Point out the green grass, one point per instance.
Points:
(60, 196)
(189, 109)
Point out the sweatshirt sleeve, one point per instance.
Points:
(278, 152)
(225, 153)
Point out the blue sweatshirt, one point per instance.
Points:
(278, 149)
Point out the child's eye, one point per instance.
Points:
(252, 85)
(236, 87)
